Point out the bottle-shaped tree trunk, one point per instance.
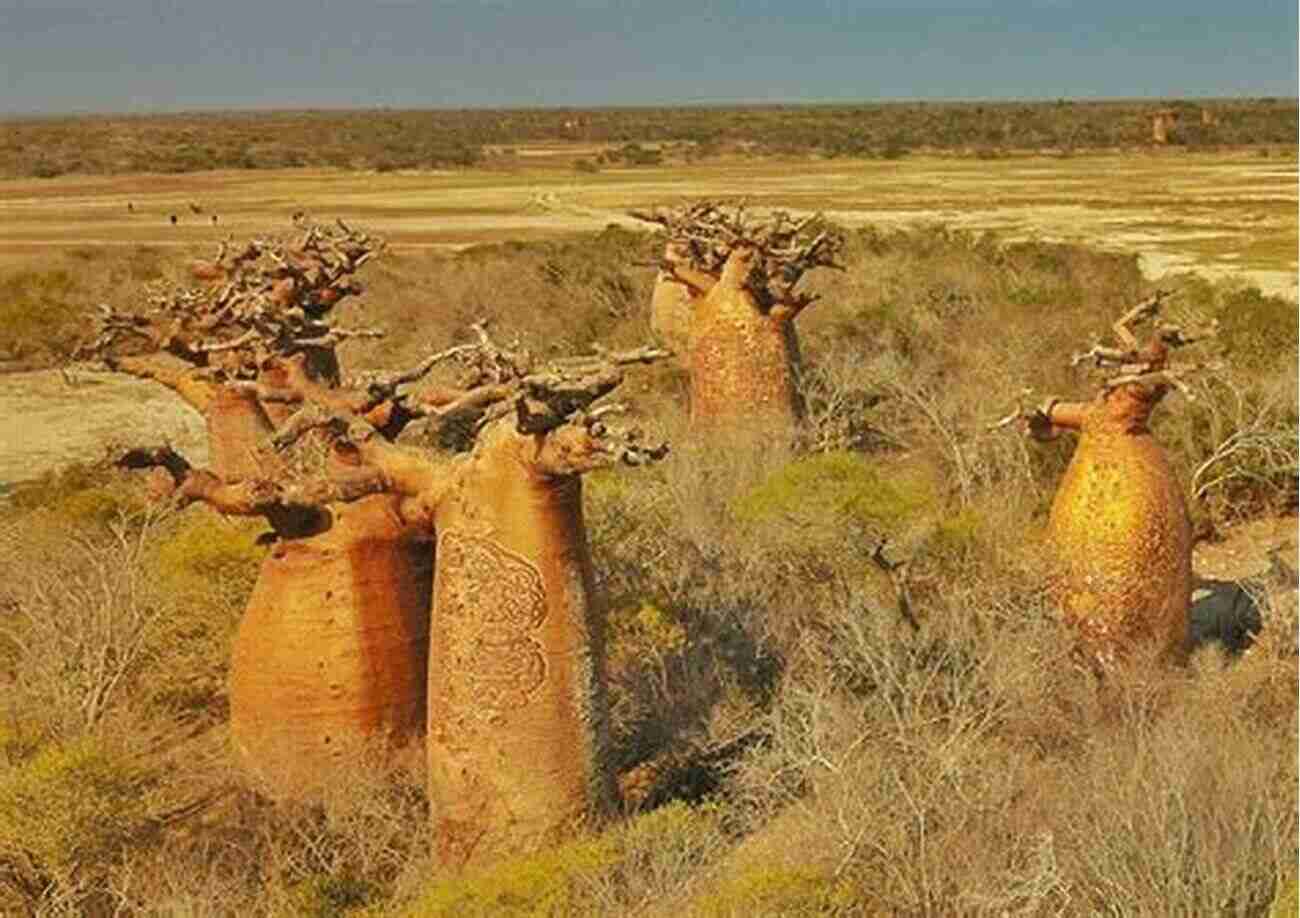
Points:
(331, 651)
(517, 716)
(736, 278)
(743, 359)
(1119, 528)
(671, 305)
(1120, 532)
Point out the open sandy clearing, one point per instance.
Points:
(47, 420)
(1222, 215)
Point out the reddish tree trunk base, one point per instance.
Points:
(331, 652)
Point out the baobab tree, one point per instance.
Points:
(517, 713)
(671, 304)
(490, 467)
(332, 648)
(741, 274)
(226, 350)
(1119, 528)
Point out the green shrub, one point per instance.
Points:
(630, 866)
(1287, 903)
(777, 891)
(547, 884)
(80, 494)
(206, 548)
(1257, 330)
(840, 486)
(66, 813)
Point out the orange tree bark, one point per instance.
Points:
(1119, 528)
(332, 648)
(517, 712)
(743, 361)
(1120, 532)
(517, 723)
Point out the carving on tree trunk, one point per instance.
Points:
(489, 602)
(1119, 528)
(517, 712)
(739, 275)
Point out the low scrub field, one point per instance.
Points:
(789, 741)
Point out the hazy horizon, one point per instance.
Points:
(171, 56)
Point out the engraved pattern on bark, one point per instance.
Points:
(489, 600)
(1122, 536)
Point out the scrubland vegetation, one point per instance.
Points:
(797, 730)
(386, 140)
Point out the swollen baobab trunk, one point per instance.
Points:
(332, 649)
(734, 278)
(672, 304)
(517, 714)
(743, 361)
(1119, 529)
(330, 654)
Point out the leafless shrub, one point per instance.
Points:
(1244, 449)
(81, 622)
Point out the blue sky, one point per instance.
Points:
(163, 55)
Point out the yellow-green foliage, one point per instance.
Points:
(79, 494)
(38, 312)
(16, 743)
(1287, 903)
(636, 627)
(68, 807)
(1256, 330)
(956, 534)
(542, 885)
(777, 891)
(632, 864)
(207, 549)
(328, 897)
(839, 487)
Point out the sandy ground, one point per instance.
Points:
(46, 422)
(1222, 215)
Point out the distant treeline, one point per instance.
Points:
(384, 139)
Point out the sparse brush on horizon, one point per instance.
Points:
(389, 140)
